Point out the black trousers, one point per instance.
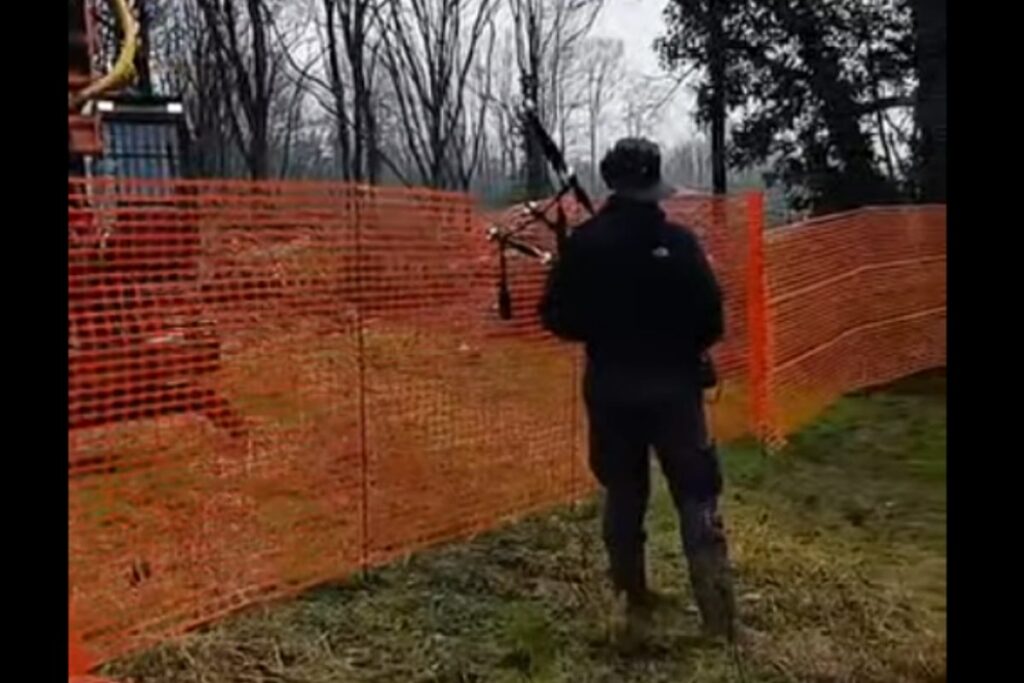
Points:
(621, 437)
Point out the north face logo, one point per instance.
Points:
(660, 252)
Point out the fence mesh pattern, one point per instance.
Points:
(276, 384)
(853, 300)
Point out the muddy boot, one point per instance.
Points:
(632, 624)
(711, 578)
(629, 577)
(634, 603)
(710, 574)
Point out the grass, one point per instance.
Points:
(839, 544)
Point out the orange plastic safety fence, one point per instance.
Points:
(272, 385)
(277, 384)
(854, 300)
(79, 661)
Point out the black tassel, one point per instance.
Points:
(504, 295)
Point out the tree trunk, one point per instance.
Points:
(593, 152)
(144, 78)
(717, 63)
(536, 171)
(930, 109)
(260, 146)
(259, 152)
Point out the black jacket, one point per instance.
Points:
(639, 292)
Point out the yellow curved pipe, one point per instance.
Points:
(124, 67)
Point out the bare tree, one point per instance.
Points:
(342, 78)
(494, 86)
(571, 22)
(471, 140)
(352, 56)
(547, 33)
(602, 71)
(248, 69)
(643, 102)
(429, 51)
(183, 62)
(286, 124)
(187, 62)
(503, 94)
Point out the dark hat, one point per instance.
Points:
(632, 168)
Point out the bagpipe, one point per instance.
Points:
(511, 237)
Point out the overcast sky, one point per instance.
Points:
(637, 23)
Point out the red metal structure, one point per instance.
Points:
(83, 130)
(138, 341)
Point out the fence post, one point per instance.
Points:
(577, 418)
(758, 327)
(359, 195)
